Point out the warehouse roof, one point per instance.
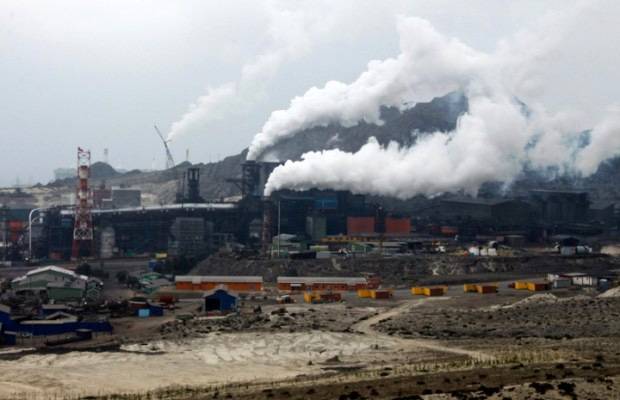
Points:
(220, 288)
(163, 208)
(218, 279)
(321, 279)
(51, 268)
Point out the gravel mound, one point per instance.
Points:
(613, 292)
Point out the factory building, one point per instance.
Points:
(57, 284)
(195, 228)
(563, 206)
(603, 213)
(234, 283)
(122, 198)
(499, 212)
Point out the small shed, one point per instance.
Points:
(221, 300)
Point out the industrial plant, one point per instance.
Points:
(368, 206)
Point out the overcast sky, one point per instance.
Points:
(99, 74)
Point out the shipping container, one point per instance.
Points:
(380, 294)
(537, 286)
(311, 297)
(360, 225)
(449, 230)
(363, 293)
(416, 291)
(521, 285)
(486, 289)
(470, 288)
(434, 291)
(400, 226)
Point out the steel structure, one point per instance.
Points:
(83, 219)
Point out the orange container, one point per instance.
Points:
(449, 230)
(398, 225)
(360, 225)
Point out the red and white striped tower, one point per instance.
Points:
(83, 225)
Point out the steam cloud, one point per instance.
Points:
(493, 141)
(292, 34)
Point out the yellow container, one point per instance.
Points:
(470, 288)
(417, 291)
(521, 285)
(537, 286)
(364, 293)
(311, 297)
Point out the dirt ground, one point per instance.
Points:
(541, 315)
(510, 345)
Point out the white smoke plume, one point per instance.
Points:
(493, 141)
(437, 163)
(604, 143)
(428, 64)
(292, 33)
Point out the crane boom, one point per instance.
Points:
(169, 160)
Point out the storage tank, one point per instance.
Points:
(108, 242)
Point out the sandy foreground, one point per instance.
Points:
(214, 359)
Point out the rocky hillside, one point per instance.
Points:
(439, 114)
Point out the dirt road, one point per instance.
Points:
(366, 327)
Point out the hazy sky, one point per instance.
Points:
(98, 74)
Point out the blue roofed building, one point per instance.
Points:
(220, 300)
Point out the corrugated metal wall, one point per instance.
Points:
(360, 225)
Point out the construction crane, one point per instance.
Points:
(169, 159)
